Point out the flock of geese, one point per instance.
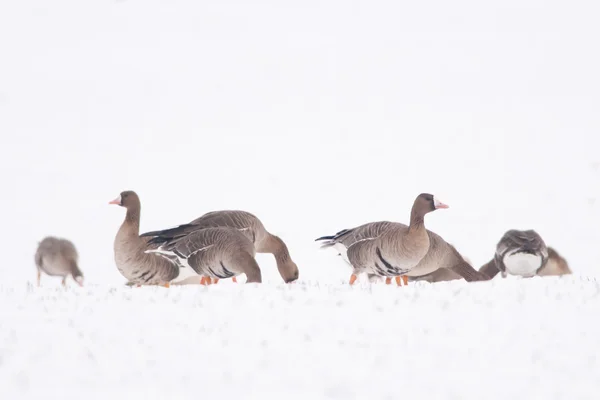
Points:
(223, 244)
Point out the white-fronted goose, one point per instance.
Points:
(58, 257)
(442, 261)
(246, 223)
(217, 253)
(521, 253)
(132, 262)
(387, 249)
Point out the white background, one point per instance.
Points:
(316, 116)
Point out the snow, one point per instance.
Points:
(315, 116)
(511, 338)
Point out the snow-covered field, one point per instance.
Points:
(522, 339)
(316, 116)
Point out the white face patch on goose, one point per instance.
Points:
(438, 204)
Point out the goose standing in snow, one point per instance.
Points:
(387, 249)
(248, 224)
(441, 263)
(216, 253)
(132, 262)
(58, 257)
(521, 253)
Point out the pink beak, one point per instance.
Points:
(438, 204)
(116, 201)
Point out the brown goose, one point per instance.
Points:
(132, 262)
(217, 253)
(247, 224)
(442, 261)
(387, 249)
(57, 257)
(555, 266)
(521, 253)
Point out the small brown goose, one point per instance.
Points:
(132, 262)
(386, 249)
(248, 224)
(58, 257)
(555, 266)
(216, 253)
(520, 253)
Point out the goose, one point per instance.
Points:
(138, 267)
(555, 266)
(248, 224)
(441, 263)
(217, 253)
(58, 257)
(386, 249)
(520, 253)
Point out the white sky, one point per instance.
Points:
(314, 115)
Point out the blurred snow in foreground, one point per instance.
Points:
(534, 338)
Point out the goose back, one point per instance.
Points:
(219, 252)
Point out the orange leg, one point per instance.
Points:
(234, 279)
(353, 279)
(388, 280)
(167, 285)
(203, 280)
(215, 281)
(402, 279)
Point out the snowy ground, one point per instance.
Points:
(535, 338)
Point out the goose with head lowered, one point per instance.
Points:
(247, 224)
(58, 257)
(390, 249)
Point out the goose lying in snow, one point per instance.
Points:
(57, 257)
(390, 249)
(248, 224)
(217, 253)
(524, 253)
(132, 262)
(555, 266)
